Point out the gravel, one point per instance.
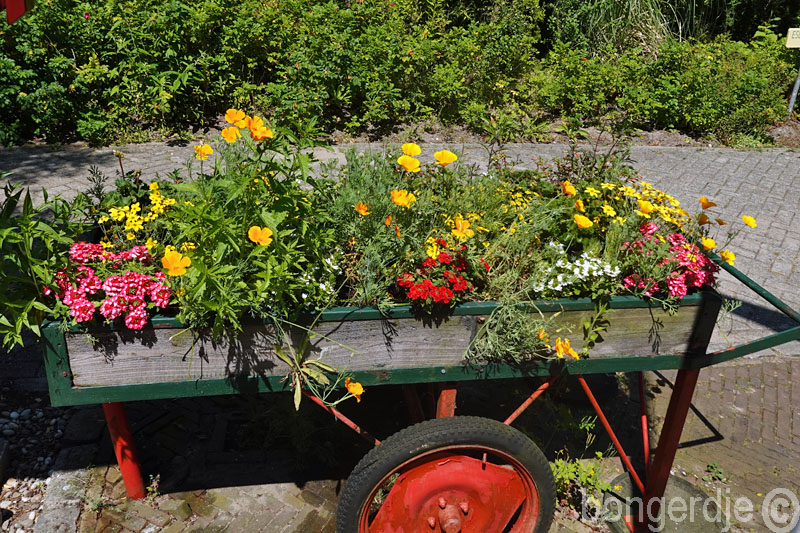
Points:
(33, 431)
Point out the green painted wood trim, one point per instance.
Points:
(63, 394)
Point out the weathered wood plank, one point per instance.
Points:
(161, 355)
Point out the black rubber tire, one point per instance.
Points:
(441, 433)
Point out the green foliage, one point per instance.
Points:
(30, 248)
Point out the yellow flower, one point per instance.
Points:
(403, 198)
(234, 116)
(563, 348)
(231, 134)
(362, 209)
(411, 149)
(645, 207)
(708, 243)
(117, 214)
(154, 186)
(609, 211)
(106, 244)
(705, 203)
(542, 335)
(102, 220)
(151, 243)
(175, 263)
(202, 151)
(130, 236)
(188, 247)
(261, 236)
(433, 248)
(620, 220)
(354, 387)
(579, 205)
(409, 164)
(591, 191)
(351, 241)
(445, 157)
(582, 221)
(567, 187)
(750, 221)
(462, 230)
(728, 256)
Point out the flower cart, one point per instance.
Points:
(460, 472)
(395, 272)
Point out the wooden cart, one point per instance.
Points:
(450, 473)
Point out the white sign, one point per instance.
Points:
(793, 38)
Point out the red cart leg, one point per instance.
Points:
(658, 473)
(122, 440)
(446, 403)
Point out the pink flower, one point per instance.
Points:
(648, 228)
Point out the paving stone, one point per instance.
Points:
(177, 527)
(148, 512)
(177, 508)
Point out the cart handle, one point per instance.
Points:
(762, 343)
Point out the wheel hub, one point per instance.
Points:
(449, 494)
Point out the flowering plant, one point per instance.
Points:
(254, 233)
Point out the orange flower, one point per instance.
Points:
(362, 209)
(563, 347)
(579, 205)
(750, 221)
(409, 164)
(403, 198)
(202, 151)
(645, 207)
(387, 220)
(260, 133)
(397, 231)
(175, 263)
(411, 149)
(582, 221)
(234, 116)
(705, 203)
(720, 222)
(354, 387)
(261, 236)
(445, 157)
(703, 219)
(709, 243)
(253, 123)
(462, 230)
(231, 134)
(567, 187)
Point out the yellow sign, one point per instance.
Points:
(793, 38)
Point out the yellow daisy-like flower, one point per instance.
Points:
(728, 256)
(411, 149)
(750, 221)
(708, 243)
(461, 229)
(591, 191)
(201, 152)
(154, 186)
(117, 214)
(151, 243)
(130, 236)
(609, 211)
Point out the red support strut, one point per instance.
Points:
(122, 440)
(446, 403)
(538, 392)
(645, 427)
(658, 473)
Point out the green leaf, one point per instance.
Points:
(316, 375)
(319, 364)
(298, 395)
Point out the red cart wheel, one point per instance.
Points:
(453, 474)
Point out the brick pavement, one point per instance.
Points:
(751, 403)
